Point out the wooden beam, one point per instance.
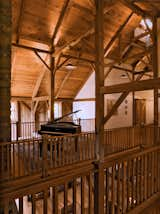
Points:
(39, 80)
(43, 98)
(116, 35)
(118, 102)
(60, 20)
(155, 74)
(84, 100)
(63, 82)
(42, 60)
(132, 86)
(59, 66)
(26, 105)
(19, 22)
(30, 48)
(99, 127)
(78, 58)
(17, 98)
(75, 41)
(35, 107)
(136, 9)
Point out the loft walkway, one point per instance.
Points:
(60, 173)
(27, 157)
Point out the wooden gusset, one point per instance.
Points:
(19, 22)
(60, 20)
(133, 86)
(30, 48)
(118, 102)
(42, 60)
(118, 32)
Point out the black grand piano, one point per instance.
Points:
(60, 127)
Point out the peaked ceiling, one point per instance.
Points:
(69, 26)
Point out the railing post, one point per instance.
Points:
(44, 156)
(99, 188)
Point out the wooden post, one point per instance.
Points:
(19, 120)
(5, 69)
(155, 73)
(99, 70)
(51, 92)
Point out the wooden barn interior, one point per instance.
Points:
(98, 63)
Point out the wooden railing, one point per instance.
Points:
(28, 157)
(28, 130)
(120, 139)
(130, 182)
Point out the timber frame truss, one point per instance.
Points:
(51, 61)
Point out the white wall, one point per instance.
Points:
(124, 116)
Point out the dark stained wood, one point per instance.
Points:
(99, 71)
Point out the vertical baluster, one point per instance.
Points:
(82, 194)
(107, 190)
(29, 158)
(45, 204)
(124, 188)
(21, 205)
(8, 161)
(2, 159)
(33, 204)
(138, 180)
(90, 193)
(6, 206)
(51, 153)
(113, 189)
(152, 173)
(24, 158)
(19, 161)
(156, 178)
(55, 151)
(148, 176)
(142, 180)
(65, 198)
(55, 200)
(33, 155)
(13, 155)
(119, 191)
(145, 177)
(128, 184)
(74, 195)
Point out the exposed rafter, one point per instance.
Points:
(42, 60)
(60, 20)
(30, 48)
(118, 32)
(136, 9)
(75, 41)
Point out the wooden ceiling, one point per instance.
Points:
(69, 26)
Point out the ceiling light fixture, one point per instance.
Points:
(70, 67)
